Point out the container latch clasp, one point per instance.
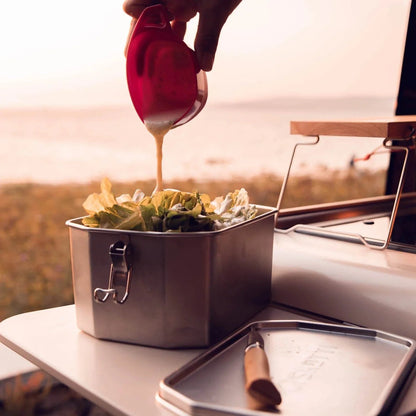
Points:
(119, 278)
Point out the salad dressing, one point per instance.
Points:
(158, 129)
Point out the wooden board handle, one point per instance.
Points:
(258, 382)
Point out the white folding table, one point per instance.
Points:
(122, 379)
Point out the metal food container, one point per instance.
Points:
(171, 290)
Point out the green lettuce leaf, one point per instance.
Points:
(166, 211)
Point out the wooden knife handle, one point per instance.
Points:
(258, 382)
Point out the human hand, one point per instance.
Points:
(212, 16)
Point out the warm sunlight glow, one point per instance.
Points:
(72, 54)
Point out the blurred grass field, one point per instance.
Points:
(35, 269)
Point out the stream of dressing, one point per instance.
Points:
(158, 129)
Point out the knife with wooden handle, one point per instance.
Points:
(258, 383)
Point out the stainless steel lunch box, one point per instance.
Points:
(171, 290)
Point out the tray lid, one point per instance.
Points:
(318, 368)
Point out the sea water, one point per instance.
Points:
(59, 145)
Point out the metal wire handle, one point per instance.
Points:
(388, 144)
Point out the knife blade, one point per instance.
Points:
(256, 366)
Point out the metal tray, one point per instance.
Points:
(318, 368)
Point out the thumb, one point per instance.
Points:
(206, 40)
(179, 28)
(212, 16)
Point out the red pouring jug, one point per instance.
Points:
(163, 76)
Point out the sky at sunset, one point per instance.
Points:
(71, 53)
